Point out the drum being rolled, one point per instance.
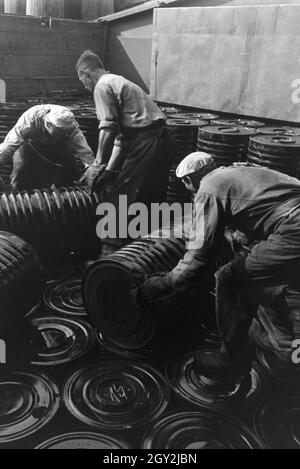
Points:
(107, 289)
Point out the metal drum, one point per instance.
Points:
(277, 423)
(116, 394)
(144, 353)
(89, 124)
(286, 131)
(194, 115)
(169, 110)
(21, 286)
(226, 144)
(199, 430)
(239, 123)
(185, 133)
(65, 340)
(28, 401)
(285, 372)
(196, 389)
(84, 440)
(281, 153)
(65, 298)
(107, 290)
(56, 222)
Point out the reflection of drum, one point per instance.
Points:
(65, 298)
(83, 440)
(116, 394)
(107, 290)
(196, 389)
(28, 401)
(65, 340)
(278, 423)
(199, 430)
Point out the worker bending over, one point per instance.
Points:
(135, 150)
(46, 147)
(265, 205)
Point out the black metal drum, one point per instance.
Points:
(277, 423)
(116, 394)
(194, 115)
(196, 389)
(285, 372)
(239, 123)
(285, 131)
(65, 298)
(226, 144)
(83, 440)
(281, 153)
(28, 402)
(65, 340)
(199, 430)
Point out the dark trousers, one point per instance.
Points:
(268, 276)
(145, 173)
(30, 171)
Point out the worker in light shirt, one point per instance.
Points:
(135, 149)
(45, 147)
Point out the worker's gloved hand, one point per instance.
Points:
(106, 178)
(157, 288)
(92, 173)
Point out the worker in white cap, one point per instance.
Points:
(265, 205)
(45, 147)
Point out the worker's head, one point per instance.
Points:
(59, 122)
(89, 68)
(193, 169)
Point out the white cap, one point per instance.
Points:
(61, 117)
(194, 163)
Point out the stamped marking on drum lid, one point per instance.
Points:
(116, 392)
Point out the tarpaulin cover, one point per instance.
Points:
(243, 60)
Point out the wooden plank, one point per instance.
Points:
(52, 8)
(93, 9)
(46, 43)
(17, 7)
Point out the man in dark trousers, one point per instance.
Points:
(135, 150)
(46, 147)
(265, 205)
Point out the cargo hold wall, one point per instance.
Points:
(38, 57)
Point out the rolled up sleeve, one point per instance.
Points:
(107, 108)
(81, 150)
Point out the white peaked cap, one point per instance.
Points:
(194, 163)
(61, 117)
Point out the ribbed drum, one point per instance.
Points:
(281, 153)
(226, 144)
(199, 430)
(196, 389)
(65, 297)
(185, 133)
(83, 440)
(277, 423)
(280, 130)
(239, 123)
(116, 394)
(55, 221)
(21, 279)
(107, 290)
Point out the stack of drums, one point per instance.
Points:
(239, 123)
(107, 288)
(226, 144)
(185, 133)
(21, 285)
(56, 222)
(278, 152)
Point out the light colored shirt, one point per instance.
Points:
(31, 125)
(121, 105)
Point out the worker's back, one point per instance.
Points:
(252, 199)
